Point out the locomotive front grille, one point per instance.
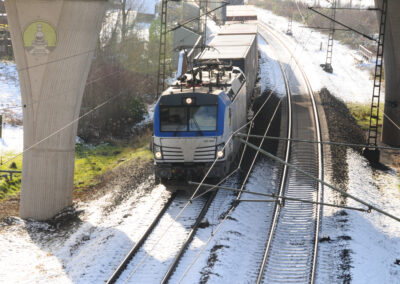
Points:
(172, 154)
(204, 154)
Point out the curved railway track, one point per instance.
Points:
(125, 273)
(292, 246)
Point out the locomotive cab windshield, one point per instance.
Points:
(188, 118)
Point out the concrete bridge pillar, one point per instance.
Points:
(53, 42)
(390, 132)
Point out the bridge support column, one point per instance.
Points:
(53, 42)
(390, 131)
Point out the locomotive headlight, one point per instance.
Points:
(158, 155)
(157, 152)
(220, 151)
(189, 101)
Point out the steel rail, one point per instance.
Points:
(320, 156)
(121, 268)
(189, 238)
(283, 179)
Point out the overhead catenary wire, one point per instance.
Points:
(212, 235)
(85, 52)
(277, 197)
(240, 191)
(243, 152)
(211, 167)
(341, 191)
(261, 143)
(105, 102)
(99, 106)
(56, 95)
(64, 127)
(317, 142)
(194, 195)
(76, 120)
(219, 226)
(204, 247)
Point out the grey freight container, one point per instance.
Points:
(241, 50)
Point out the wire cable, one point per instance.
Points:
(291, 61)
(67, 125)
(241, 190)
(319, 142)
(202, 181)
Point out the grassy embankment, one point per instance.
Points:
(362, 112)
(91, 162)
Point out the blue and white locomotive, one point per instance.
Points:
(194, 118)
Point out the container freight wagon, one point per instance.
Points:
(238, 45)
(240, 13)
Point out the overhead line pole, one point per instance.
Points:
(162, 51)
(329, 50)
(372, 152)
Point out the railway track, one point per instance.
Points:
(292, 246)
(139, 266)
(291, 249)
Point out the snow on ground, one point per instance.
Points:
(375, 238)
(359, 247)
(348, 82)
(85, 254)
(88, 253)
(362, 247)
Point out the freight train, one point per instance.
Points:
(196, 115)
